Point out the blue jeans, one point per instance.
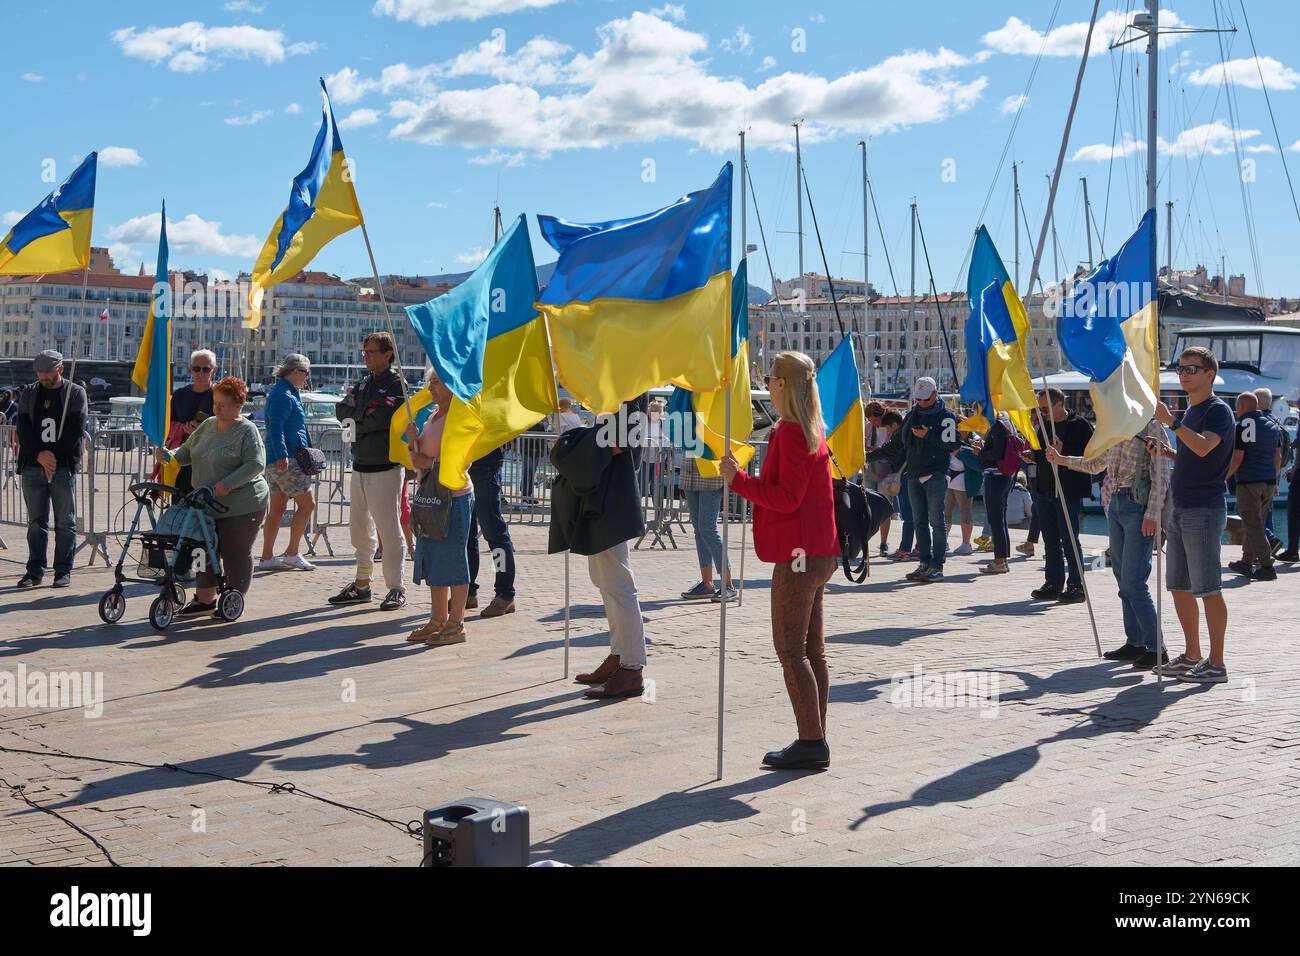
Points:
(1293, 515)
(996, 489)
(704, 508)
(927, 516)
(1130, 560)
(908, 534)
(1061, 552)
(486, 475)
(38, 495)
(1194, 550)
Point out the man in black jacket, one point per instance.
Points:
(1061, 540)
(596, 510)
(377, 481)
(50, 421)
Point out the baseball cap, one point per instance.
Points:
(924, 387)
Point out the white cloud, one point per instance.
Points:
(348, 86)
(739, 42)
(1294, 147)
(473, 257)
(11, 217)
(218, 275)
(193, 234)
(1013, 104)
(359, 118)
(252, 119)
(537, 62)
(494, 156)
(427, 13)
(608, 101)
(1214, 139)
(190, 47)
(670, 11)
(1018, 37)
(119, 156)
(32, 77)
(243, 6)
(1246, 73)
(437, 205)
(768, 63)
(293, 109)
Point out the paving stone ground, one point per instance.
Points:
(1082, 761)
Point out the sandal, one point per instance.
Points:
(425, 631)
(994, 568)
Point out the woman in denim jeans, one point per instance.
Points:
(704, 502)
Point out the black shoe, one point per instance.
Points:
(29, 581)
(1290, 557)
(1149, 660)
(800, 755)
(920, 571)
(1072, 595)
(1048, 592)
(393, 600)
(64, 580)
(351, 595)
(1276, 546)
(1261, 573)
(1125, 652)
(1241, 567)
(197, 607)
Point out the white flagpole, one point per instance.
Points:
(566, 614)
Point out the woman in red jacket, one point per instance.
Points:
(794, 528)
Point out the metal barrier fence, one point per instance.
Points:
(116, 454)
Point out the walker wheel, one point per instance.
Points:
(111, 607)
(161, 612)
(178, 595)
(230, 605)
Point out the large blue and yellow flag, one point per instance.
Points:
(399, 447)
(322, 206)
(997, 343)
(55, 236)
(841, 397)
(706, 412)
(488, 345)
(637, 303)
(1107, 328)
(153, 367)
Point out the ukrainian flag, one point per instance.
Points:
(1107, 328)
(635, 303)
(997, 343)
(488, 346)
(399, 448)
(55, 236)
(841, 397)
(153, 368)
(322, 206)
(707, 411)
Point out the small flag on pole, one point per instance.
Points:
(103, 316)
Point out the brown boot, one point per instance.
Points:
(601, 673)
(498, 606)
(471, 601)
(623, 683)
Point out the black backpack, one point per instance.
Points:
(858, 515)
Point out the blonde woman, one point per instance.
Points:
(442, 564)
(794, 528)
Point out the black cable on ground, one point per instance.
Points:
(19, 792)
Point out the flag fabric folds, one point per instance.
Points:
(841, 398)
(708, 410)
(488, 344)
(153, 368)
(997, 343)
(636, 303)
(399, 448)
(55, 236)
(1107, 327)
(322, 206)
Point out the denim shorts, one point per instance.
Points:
(1193, 553)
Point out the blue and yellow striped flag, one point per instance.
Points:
(55, 236)
(322, 206)
(641, 302)
(488, 346)
(153, 367)
(841, 396)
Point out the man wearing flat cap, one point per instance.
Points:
(50, 421)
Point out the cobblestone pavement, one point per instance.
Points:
(1081, 761)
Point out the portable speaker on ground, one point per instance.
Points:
(476, 832)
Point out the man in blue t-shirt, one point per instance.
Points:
(1199, 488)
(1255, 462)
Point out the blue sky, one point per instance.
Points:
(598, 109)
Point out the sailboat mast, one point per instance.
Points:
(1087, 220)
(866, 267)
(1153, 88)
(1015, 217)
(798, 192)
(911, 301)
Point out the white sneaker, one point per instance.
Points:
(295, 562)
(963, 549)
(270, 564)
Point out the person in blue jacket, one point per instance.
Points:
(286, 432)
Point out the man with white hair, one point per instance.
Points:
(191, 404)
(1264, 396)
(1254, 465)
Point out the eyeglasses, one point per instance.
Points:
(1191, 369)
(374, 351)
(200, 368)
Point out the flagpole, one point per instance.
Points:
(566, 614)
(1033, 274)
(744, 502)
(63, 416)
(726, 509)
(397, 358)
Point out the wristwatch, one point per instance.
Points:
(1178, 423)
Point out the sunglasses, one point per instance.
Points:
(200, 368)
(1191, 369)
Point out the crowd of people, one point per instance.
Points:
(925, 461)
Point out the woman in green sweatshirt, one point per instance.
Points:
(227, 455)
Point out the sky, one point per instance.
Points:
(601, 109)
